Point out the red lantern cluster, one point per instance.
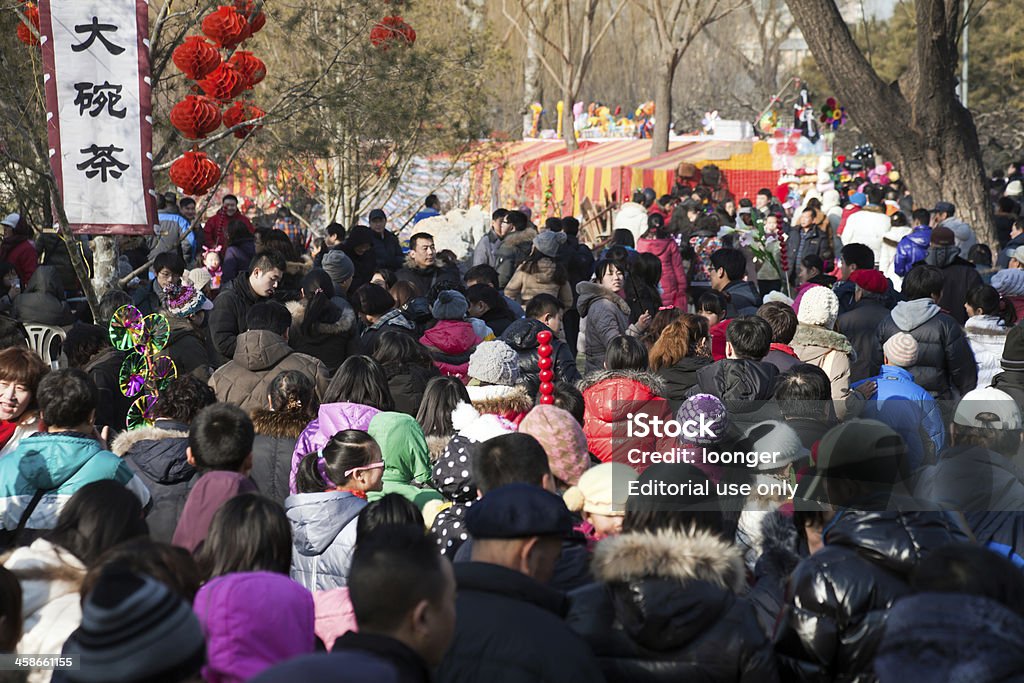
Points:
(392, 30)
(196, 116)
(24, 34)
(239, 113)
(222, 81)
(194, 173)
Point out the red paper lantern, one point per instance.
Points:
(24, 34)
(226, 27)
(195, 116)
(239, 112)
(249, 65)
(196, 57)
(246, 9)
(224, 83)
(194, 173)
(392, 30)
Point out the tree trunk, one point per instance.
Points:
(663, 104)
(568, 129)
(531, 76)
(104, 264)
(918, 123)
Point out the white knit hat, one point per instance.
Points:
(901, 350)
(818, 306)
(602, 490)
(494, 362)
(778, 439)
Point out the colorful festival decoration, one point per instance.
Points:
(547, 375)
(196, 57)
(24, 34)
(832, 115)
(196, 116)
(392, 30)
(239, 113)
(226, 26)
(250, 66)
(194, 173)
(144, 373)
(224, 83)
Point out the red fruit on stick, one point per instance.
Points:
(195, 57)
(195, 116)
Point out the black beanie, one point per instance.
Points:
(1013, 349)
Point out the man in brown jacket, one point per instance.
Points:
(261, 354)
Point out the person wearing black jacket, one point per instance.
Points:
(579, 261)
(665, 606)
(727, 269)
(386, 246)
(421, 267)
(958, 274)
(860, 323)
(360, 248)
(834, 619)
(945, 363)
(227, 319)
(544, 312)
(509, 625)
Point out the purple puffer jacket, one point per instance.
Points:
(246, 636)
(332, 418)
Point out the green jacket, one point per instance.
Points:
(406, 458)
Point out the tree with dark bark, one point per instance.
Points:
(916, 121)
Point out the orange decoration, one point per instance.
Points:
(226, 27)
(195, 57)
(239, 112)
(24, 34)
(194, 173)
(249, 65)
(224, 83)
(196, 116)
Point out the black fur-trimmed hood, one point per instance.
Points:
(345, 322)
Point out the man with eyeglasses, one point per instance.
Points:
(486, 252)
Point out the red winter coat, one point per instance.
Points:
(21, 254)
(673, 277)
(608, 397)
(215, 232)
(451, 343)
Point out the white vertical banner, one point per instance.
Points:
(98, 110)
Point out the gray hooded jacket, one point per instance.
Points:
(323, 537)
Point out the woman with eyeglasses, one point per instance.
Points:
(333, 483)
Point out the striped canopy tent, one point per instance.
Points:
(494, 178)
(747, 166)
(520, 185)
(590, 173)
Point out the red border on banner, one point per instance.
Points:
(145, 122)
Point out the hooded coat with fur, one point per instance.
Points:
(829, 351)
(157, 455)
(604, 315)
(332, 339)
(511, 253)
(665, 608)
(609, 396)
(260, 356)
(272, 448)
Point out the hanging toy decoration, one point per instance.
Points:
(224, 83)
(144, 374)
(536, 109)
(250, 66)
(255, 21)
(832, 115)
(391, 30)
(547, 375)
(24, 33)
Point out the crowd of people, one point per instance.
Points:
(371, 467)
